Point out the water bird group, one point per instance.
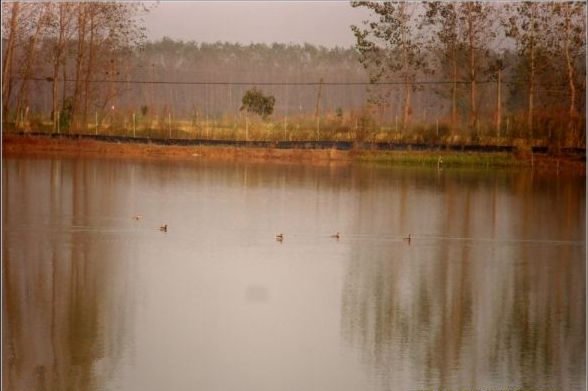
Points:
(280, 236)
(162, 228)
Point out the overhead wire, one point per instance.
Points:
(277, 83)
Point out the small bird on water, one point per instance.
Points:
(336, 236)
(137, 217)
(279, 237)
(163, 228)
(407, 238)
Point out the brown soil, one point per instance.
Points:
(39, 145)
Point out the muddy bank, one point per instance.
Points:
(17, 144)
(144, 149)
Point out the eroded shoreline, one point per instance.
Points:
(14, 145)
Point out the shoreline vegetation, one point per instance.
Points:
(434, 156)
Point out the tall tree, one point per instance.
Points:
(38, 17)
(10, 24)
(443, 17)
(59, 34)
(528, 23)
(82, 11)
(389, 47)
(569, 42)
(476, 21)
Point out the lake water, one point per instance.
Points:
(488, 294)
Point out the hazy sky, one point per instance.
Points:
(317, 22)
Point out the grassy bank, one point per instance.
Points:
(43, 145)
(441, 159)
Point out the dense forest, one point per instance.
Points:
(463, 71)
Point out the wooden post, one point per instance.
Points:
(58, 124)
(96, 117)
(169, 124)
(134, 127)
(317, 113)
(246, 127)
(285, 126)
(318, 128)
(437, 127)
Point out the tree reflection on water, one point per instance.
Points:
(448, 312)
(60, 286)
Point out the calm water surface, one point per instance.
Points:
(489, 294)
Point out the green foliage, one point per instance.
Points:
(255, 102)
(65, 116)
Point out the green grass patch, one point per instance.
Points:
(441, 159)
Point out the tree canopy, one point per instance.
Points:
(255, 102)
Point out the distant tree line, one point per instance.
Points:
(516, 68)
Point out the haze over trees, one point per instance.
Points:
(466, 70)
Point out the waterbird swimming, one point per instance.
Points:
(279, 237)
(407, 238)
(163, 228)
(137, 217)
(336, 236)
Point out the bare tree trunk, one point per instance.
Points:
(498, 103)
(64, 91)
(454, 92)
(54, 94)
(473, 112)
(407, 84)
(89, 68)
(57, 59)
(531, 75)
(569, 64)
(22, 96)
(407, 104)
(82, 9)
(7, 65)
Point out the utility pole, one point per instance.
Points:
(317, 113)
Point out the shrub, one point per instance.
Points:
(66, 113)
(255, 102)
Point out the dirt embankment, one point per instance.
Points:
(18, 145)
(42, 145)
